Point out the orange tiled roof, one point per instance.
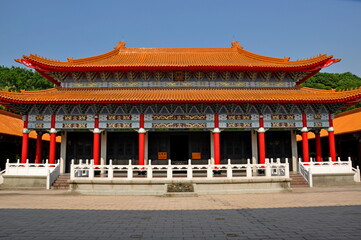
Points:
(12, 124)
(182, 58)
(163, 95)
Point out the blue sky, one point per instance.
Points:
(82, 28)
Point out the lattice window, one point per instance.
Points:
(77, 76)
(296, 76)
(266, 75)
(131, 75)
(145, 75)
(91, 76)
(212, 75)
(198, 75)
(238, 75)
(279, 76)
(104, 76)
(59, 76)
(252, 76)
(118, 76)
(158, 75)
(225, 75)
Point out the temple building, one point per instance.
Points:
(179, 104)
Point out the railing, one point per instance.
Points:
(307, 169)
(306, 173)
(50, 170)
(1, 176)
(356, 177)
(87, 170)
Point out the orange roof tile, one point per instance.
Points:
(12, 124)
(163, 95)
(182, 58)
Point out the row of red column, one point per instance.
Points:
(25, 142)
(141, 142)
(331, 141)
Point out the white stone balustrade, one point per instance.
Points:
(188, 171)
(51, 171)
(307, 169)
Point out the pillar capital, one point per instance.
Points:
(53, 130)
(304, 129)
(96, 130)
(142, 130)
(216, 130)
(261, 130)
(25, 130)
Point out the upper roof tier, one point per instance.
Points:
(130, 59)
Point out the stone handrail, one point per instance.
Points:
(1, 176)
(50, 170)
(307, 169)
(88, 170)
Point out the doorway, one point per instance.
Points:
(179, 148)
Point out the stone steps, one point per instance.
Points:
(298, 181)
(61, 183)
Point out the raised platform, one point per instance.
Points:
(327, 180)
(24, 182)
(160, 186)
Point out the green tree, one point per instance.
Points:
(338, 81)
(17, 78)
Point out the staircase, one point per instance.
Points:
(61, 183)
(298, 181)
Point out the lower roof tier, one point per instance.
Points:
(180, 95)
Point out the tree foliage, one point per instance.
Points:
(338, 81)
(17, 78)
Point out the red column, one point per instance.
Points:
(318, 146)
(38, 147)
(96, 142)
(25, 143)
(216, 141)
(304, 130)
(331, 139)
(141, 137)
(261, 141)
(52, 148)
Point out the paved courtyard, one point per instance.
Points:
(324, 213)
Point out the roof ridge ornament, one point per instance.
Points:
(120, 45)
(235, 44)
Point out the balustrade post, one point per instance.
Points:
(169, 172)
(287, 169)
(130, 170)
(248, 169)
(189, 170)
(72, 170)
(110, 170)
(229, 169)
(150, 170)
(268, 168)
(91, 171)
(209, 169)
